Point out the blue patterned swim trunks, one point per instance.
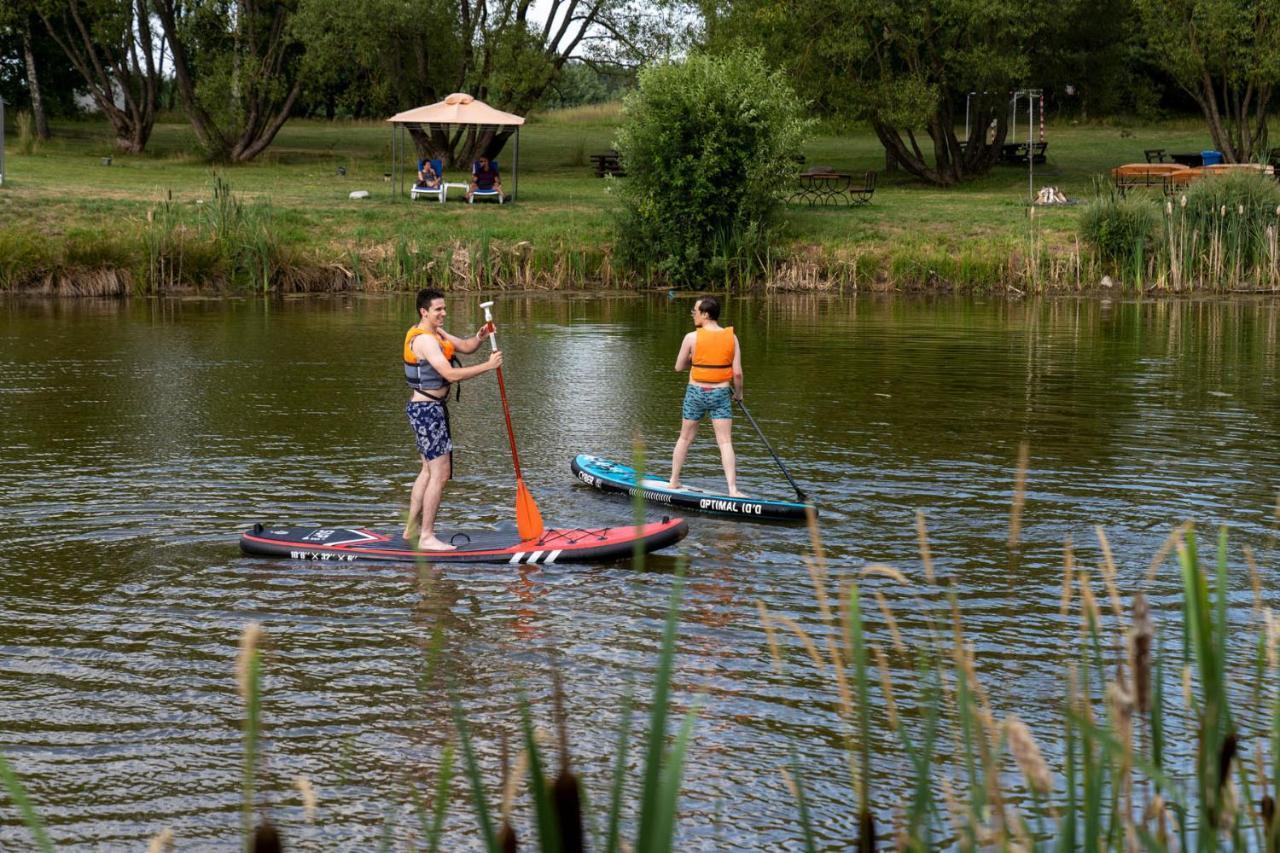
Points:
(700, 402)
(430, 425)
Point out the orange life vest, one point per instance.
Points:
(419, 373)
(713, 351)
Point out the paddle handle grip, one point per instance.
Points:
(488, 318)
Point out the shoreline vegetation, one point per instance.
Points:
(166, 222)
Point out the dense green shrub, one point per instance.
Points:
(1120, 228)
(709, 147)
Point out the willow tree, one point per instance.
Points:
(238, 68)
(903, 66)
(111, 45)
(1226, 55)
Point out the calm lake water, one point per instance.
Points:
(139, 439)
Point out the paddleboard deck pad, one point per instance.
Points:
(615, 477)
(555, 545)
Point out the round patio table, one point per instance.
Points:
(825, 187)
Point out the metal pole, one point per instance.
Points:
(967, 133)
(393, 161)
(515, 170)
(1, 142)
(1031, 152)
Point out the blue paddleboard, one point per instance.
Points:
(611, 476)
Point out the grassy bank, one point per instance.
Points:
(167, 220)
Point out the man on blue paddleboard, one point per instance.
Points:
(713, 357)
(430, 368)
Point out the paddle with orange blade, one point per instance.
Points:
(528, 519)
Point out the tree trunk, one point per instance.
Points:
(33, 83)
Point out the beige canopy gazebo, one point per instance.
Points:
(457, 109)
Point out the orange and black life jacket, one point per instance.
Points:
(419, 373)
(713, 351)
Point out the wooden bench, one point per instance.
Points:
(608, 163)
(1018, 152)
(1144, 175)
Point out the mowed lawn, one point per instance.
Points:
(63, 188)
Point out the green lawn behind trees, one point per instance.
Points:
(64, 214)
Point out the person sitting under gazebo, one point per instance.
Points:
(428, 176)
(485, 178)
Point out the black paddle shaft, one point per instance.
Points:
(799, 492)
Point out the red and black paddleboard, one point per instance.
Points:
(555, 545)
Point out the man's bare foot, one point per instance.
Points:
(734, 493)
(410, 534)
(431, 543)
(673, 484)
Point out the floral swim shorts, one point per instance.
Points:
(430, 425)
(700, 402)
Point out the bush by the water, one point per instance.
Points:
(709, 145)
(1119, 228)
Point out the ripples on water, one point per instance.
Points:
(139, 439)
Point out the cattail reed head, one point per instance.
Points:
(1026, 752)
(266, 838)
(1268, 808)
(1122, 706)
(507, 841)
(303, 784)
(1141, 632)
(249, 641)
(866, 833)
(161, 842)
(566, 795)
(1226, 753)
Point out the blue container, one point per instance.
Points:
(1210, 158)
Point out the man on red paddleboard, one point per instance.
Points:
(431, 367)
(713, 358)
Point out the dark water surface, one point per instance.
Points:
(137, 440)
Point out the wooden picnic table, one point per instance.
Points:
(1138, 175)
(824, 185)
(1182, 179)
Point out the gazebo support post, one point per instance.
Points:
(515, 170)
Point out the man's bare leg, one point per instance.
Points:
(724, 438)
(415, 502)
(688, 429)
(438, 470)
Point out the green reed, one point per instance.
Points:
(1113, 787)
(18, 796)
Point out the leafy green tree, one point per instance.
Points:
(708, 143)
(378, 56)
(904, 66)
(510, 60)
(1226, 55)
(237, 64)
(110, 43)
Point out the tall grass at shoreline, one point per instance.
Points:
(1221, 233)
